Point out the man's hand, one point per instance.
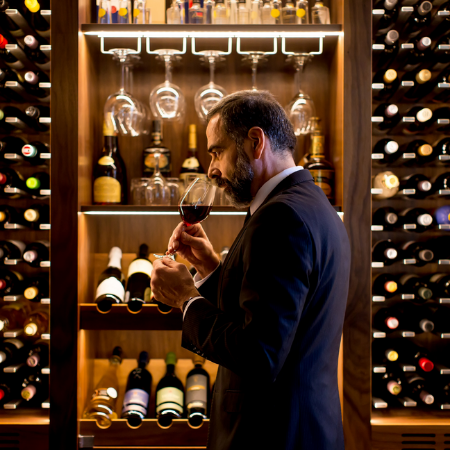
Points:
(193, 245)
(172, 284)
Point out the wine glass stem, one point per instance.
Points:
(212, 67)
(168, 64)
(297, 78)
(254, 69)
(122, 86)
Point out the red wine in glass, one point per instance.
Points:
(192, 214)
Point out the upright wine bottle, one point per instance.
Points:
(137, 393)
(102, 405)
(384, 251)
(191, 165)
(387, 217)
(385, 285)
(110, 179)
(197, 393)
(418, 185)
(13, 315)
(36, 252)
(169, 395)
(111, 285)
(419, 287)
(12, 351)
(165, 159)
(385, 152)
(418, 251)
(35, 388)
(11, 250)
(37, 214)
(388, 182)
(36, 324)
(389, 42)
(10, 282)
(419, 19)
(38, 355)
(36, 288)
(416, 219)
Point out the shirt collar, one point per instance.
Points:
(269, 186)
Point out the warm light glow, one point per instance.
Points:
(157, 213)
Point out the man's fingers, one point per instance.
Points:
(191, 241)
(168, 262)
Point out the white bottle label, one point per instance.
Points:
(196, 390)
(135, 400)
(169, 398)
(111, 286)
(140, 266)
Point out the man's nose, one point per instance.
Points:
(213, 171)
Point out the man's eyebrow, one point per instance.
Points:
(214, 147)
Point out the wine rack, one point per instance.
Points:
(409, 423)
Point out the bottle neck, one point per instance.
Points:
(110, 145)
(115, 261)
(156, 139)
(170, 369)
(317, 146)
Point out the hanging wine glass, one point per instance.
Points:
(207, 96)
(254, 59)
(166, 100)
(122, 109)
(158, 190)
(301, 108)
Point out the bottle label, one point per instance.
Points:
(136, 400)
(317, 145)
(191, 163)
(140, 266)
(325, 180)
(107, 190)
(106, 161)
(197, 390)
(169, 398)
(111, 286)
(149, 163)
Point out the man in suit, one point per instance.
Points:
(271, 314)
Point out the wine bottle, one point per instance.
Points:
(102, 405)
(390, 81)
(10, 387)
(419, 19)
(441, 318)
(390, 115)
(5, 54)
(421, 84)
(38, 355)
(36, 324)
(13, 315)
(385, 252)
(197, 393)
(388, 386)
(441, 113)
(389, 17)
(385, 152)
(422, 120)
(440, 283)
(11, 149)
(419, 54)
(417, 389)
(385, 351)
(443, 396)
(386, 320)
(37, 214)
(32, 80)
(165, 159)
(416, 186)
(385, 285)
(33, 154)
(36, 252)
(10, 283)
(10, 179)
(417, 251)
(386, 217)
(416, 219)
(110, 179)
(440, 57)
(12, 351)
(6, 22)
(9, 94)
(385, 49)
(137, 393)
(11, 250)
(138, 289)
(35, 388)
(191, 165)
(37, 21)
(414, 285)
(388, 182)
(169, 395)
(441, 184)
(441, 151)
(440, 84)
(420, 149)
(35, 113)
(36, 288)
(9, 215)
(415, 318)
(37, 182)
(111, 285)
(321, 170)
(32, 49)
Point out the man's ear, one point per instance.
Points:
(258, 140)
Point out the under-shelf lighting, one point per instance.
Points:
(158, 213)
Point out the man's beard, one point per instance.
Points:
(238, 187)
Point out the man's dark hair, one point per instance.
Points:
(246, 109)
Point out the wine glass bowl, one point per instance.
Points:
(167, 101)
(197, 201)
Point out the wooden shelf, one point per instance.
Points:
(154, 210)
(119, 318)
(24, 416)
(410, 417)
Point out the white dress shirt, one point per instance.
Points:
(260, 196)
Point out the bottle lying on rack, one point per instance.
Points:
(388, 386)
(36, 252)
(440, 283)
(385, 351)
(417, 152)
(389, 79)
(423, 118)
(37, 20)
(441, 184)
(11, 250)
(7, 93)
(11, 215)
(389, 17)
(387, 217)
(417, 388)
(9, 24)
(419, 19)
(417, 251)
(137, 393)
(389, 114)
(197, 393)
(169, 395)
(111, 285)
(415, 186)
(10, 387)
(19, 118)
(11, 149)
(422, 83)
(38, 355)
(37, 214)
(418, 288)
(35, 388)
(13, 315)
(12, 351)
(385, 285)
(416, 318)
(388, 182)
(10, 180)
(36, 324)
(386, 320)
(33, 153)
(32, 81)
(440, 57)
(32, 49)
(385, 49)
(35, 113)
(419, 54)
(102, 405)
(384, 252)
(11, 283)
(37, 182)
(36, 288)
(416, 220)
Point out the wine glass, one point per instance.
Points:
(207, 96)
(166, 100)
(122, 109)
(158, 190)
(253, 59)
(301, 108)
(196, 203)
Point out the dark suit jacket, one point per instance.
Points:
(272, 317)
